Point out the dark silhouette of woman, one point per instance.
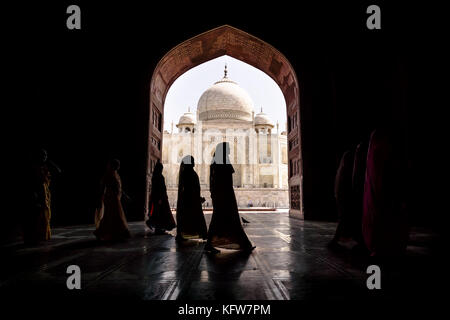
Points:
(384, 222)
(160, 216)
(225, 229)
(110, 216)
(358, 177)
(37, 221)
(190, 219)
(344, 199)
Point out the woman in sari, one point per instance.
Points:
(110, 217)
(384, 223)
(225, 229)
(37, 223)
(160, 216)
(190, 219)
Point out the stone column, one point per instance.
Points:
(256, 161)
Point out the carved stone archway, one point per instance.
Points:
(227, 40)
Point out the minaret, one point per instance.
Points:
(225, 71)
(171, 128)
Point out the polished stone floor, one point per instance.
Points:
(291, 261)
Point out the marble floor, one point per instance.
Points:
(291, 262)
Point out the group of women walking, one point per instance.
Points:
(225, 229)
(369, 189)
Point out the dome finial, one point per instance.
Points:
(225, 71)
(261, 109)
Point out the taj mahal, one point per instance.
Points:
(258, 150)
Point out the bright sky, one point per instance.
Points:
(187, 89)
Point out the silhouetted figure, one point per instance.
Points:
(110, 217)
(343, 195)
(225, 229)
(160, 216)
(358, 177)
(384, 223)
(190, 219)
(37, 220)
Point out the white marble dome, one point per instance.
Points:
(188, 118)
(262, 119)
(225, 100)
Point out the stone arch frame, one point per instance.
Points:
(227, 40)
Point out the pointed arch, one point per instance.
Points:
(227, 40)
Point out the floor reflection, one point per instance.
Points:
(291, 261)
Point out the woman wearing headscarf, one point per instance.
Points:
(160, 216)
(190, 219)
(225, 229)
(110, 216)
(384, 223)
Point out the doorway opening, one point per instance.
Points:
(232, 42)
(227, 100)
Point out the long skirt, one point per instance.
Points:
(225, 229)
(113, 225)
(160, 216)
(37, 224)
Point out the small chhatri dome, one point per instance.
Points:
(188, 118)
(225, 99)
(262, 119)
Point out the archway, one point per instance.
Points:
(227, 40)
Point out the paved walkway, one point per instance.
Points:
(291, 261)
